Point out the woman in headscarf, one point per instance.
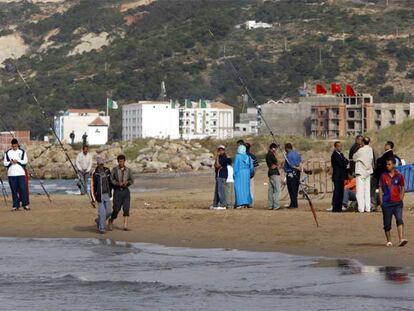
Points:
(243, 169)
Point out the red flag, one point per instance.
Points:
(349, 90)
(335, 88)
(320, 89)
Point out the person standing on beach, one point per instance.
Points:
(101, 192)
(354, 148)
(243, 169)
(84, 139)
(391, 198)
(255, 168)
(274, 180)
(72, 137)
(121, 179)
(15, 160)
(339, 164)
(364, 159)
(221, 175)
(84, 167)
(292, 168)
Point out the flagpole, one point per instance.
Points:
(107, 108)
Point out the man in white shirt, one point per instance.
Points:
(84, 167)
(15, 159)
(364, 160)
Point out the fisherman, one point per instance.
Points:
(84, 167)
(121, 179)
(391, 198)
(72, 137)
(101, 192)
(15, 159)
(292, 169)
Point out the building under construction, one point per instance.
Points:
(340, 115)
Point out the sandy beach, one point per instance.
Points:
(177, 214)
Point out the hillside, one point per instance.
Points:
(75, 52)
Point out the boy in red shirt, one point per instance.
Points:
(391, 199)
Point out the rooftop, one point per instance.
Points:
(98, 122)
(82, 111)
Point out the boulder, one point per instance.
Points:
(58, 157)
(195, 165)
(145, 150)
(151, 143)
(164, 157)
(154, 157)
(179, 164)
(156, 165)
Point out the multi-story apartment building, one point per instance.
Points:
(156, 119)
(334, 116)
(204, 119)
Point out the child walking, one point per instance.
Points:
(391, 198)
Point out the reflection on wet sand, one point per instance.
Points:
(349, 267)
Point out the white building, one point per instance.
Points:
(156, 119)
(204, 119)
(90, 121)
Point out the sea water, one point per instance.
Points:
(91, 274)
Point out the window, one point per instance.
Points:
(321, 123)
(351, 114)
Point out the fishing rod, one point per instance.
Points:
(3, 190)
(238, 75)
(26, 84)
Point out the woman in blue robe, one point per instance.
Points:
(243, 169)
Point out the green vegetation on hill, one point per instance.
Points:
(311, 41)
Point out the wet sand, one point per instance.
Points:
(177, 215)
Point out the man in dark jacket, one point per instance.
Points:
(121, 179)
(221, 174)
(274, 180)
(354, 148)
(101, 193)
(339, 164)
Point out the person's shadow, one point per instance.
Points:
(91, 229)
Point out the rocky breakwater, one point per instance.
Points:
(176, 156)
(48, 161)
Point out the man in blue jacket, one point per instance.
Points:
(292, 169)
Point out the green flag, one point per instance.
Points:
(111, 104)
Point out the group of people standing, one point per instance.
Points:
(105, 185)
(372, 182)
(234, 180)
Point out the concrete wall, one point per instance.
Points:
(286, 118)
(97, 135)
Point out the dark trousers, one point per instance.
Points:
(293, 182)
(389, 209)
(122, 199)
(19, 190)
(338, 196)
